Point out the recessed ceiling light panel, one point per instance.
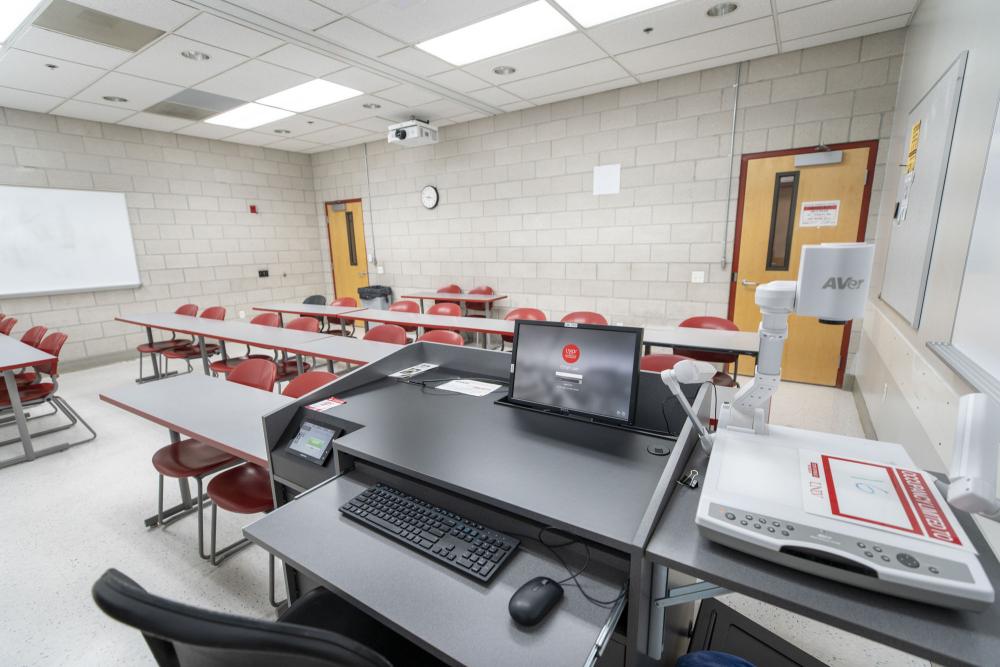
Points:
(114, 98)
(12, 15)
(504, 70)
(310, 95)
(196, 55)
(505, 32)
(590, 13)
(722, 9)
(249, 116)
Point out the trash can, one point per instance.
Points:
(377, 296)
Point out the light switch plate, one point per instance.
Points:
(697, 276)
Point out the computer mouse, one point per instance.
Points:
(531, 602)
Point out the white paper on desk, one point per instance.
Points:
(326, 404)
(469, 387)
(413, 370)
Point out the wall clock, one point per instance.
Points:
(429, 196)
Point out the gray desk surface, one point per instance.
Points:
(347, 349)
(234, 331)
(463, 621)
(476, 324)
(307, 309)
(716, 340)
(448, 296)
(224, 414)
(515, 459)
(946, 636)
(15, 354)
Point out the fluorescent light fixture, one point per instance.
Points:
(505, 32)
(12, 14)
(310, 95)
(248, 116)
(592, 12)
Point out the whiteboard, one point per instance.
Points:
(56, 241)
(978, 318)
(918, 196)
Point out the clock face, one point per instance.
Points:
(429, 196)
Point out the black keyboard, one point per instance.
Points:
(444, 536)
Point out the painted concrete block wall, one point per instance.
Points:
(188, 202)
(517, 210)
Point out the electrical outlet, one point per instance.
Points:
(243, 314)
(263, 273)
(371, 257)
(380, 270)
(697, 276)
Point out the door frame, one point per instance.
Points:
(872, 146)
(329, 241)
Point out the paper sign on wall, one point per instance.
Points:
(607, 179)
(911, 152)
(820, 213)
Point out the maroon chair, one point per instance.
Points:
(193, 350)
(448, 289)
(532, 314)
(387, 333)
(657, 363)
(478, 309)
(288, 367)
(406, 307)
(32, 337)
(157, 347)
(708, 322)
(585, 317)
(38, 393)
(342, 302)
(446, 309)
(227, 364)
(7, 325)
(307, 383)
(442, 336)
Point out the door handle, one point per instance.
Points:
(363, 274)
(748, 283)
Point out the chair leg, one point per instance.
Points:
(219, 555)
(201, 520)
(270, 584)
(59, 405)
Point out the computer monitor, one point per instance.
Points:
(579, 369)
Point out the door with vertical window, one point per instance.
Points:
(348, 252)
(784, 204)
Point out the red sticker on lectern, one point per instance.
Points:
(571, 354)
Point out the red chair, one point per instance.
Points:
(387, 333)
(722, 379)
(585, 317)
(406, 307)
(446, 309)
(342, 302)
(345, 302)
(288, 367)
(478, 309)
(307, 383)
(448, 289)
(532, 314)
(32, 337)
(38, 393)
(193, 350)
(227, 364)
(192, 459)
(657, 363)
(157, 347)
(442, 336)
(7, 325)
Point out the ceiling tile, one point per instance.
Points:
(302, 60)
(140, 93)
(458, 80)
(517, 106)
(374, 124)
(741, 37)
(254, 138)
(846, 33)
(466, 117)
(709, 63)
(360, 79)
(162, 14)
(408, 94)
(303, 14)
(598, 71)
(87, 111)
(549, 56)
(252, 80)
(674, 21)
(359, 38)
(163, 62)
(28, 71)
(335, 134)
(22, 99)
(296, 125)
(208, 131)
(353, 109)
(295, 145)
(837, 14)
(586, 90)
(346, 6)
(152, 121)
(415, 61)
(414, 22)
(228, 35)
(495, 96)
(788, 5)
(57, 45)
(436, 110)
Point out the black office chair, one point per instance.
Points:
(318, 630)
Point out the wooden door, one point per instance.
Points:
(781, 208)
(348, 252)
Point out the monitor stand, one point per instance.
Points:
(663, 435)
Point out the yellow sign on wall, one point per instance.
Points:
(911, 154)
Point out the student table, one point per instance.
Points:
(311, 310)
(14, 355)
(464, 299)
(479, 325)
(710, 340)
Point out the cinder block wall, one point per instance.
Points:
(516, 207)
(188, 201)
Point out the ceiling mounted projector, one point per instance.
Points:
(413, 132)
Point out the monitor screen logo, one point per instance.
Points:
(571, 354)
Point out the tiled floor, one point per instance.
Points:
(68, 517)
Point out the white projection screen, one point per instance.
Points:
(57, 241)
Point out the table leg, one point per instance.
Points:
(152, 355)
(343, 327)
(281, 320)
(421, 301)
(18, 410)
(204, 354)
(298, 363)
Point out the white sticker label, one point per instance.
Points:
(820, 213)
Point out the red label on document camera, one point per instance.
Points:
(571, 354)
